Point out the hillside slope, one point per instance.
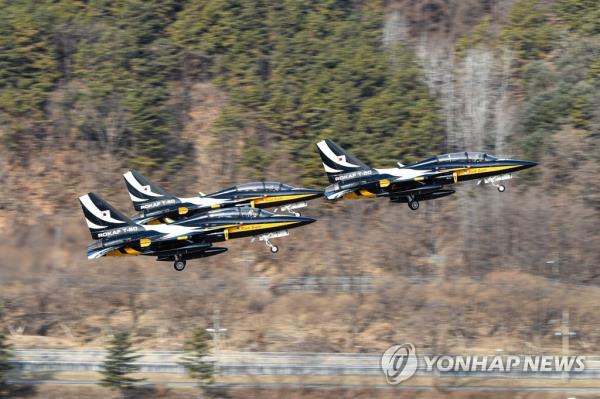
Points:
(201, 94)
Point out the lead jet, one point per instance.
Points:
(156, 205)
(191, 238)
(420, 181)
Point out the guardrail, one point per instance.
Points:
(262, 363)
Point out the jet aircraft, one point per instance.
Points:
(156, 205)
(190, 238)
(420, 181)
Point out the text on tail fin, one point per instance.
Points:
(100, 216)
(337, 161)
(140, 188)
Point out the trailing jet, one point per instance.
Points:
(420, 181)
(156, 205)
(191, 238)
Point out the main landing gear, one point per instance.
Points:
(501, 188)
(413, 203)
(179, 264)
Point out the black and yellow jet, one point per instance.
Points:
(156, 205)
(190, 238)
(420, 181)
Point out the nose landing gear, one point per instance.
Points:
(292, 208)
(274, 248)
(267, 239)
(496, 181)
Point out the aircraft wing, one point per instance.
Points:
(431, 174)
(186, 249)
(99, 249)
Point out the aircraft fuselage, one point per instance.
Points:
(422, 180)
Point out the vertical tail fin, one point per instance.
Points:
(103, 219)
(143, 191)
(337, 161)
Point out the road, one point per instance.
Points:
(401, 387)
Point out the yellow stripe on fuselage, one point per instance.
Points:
(280, 198)
(256, 226)
(483, 169)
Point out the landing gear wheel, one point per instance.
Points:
(501, 188)
(179, 265)
(414, 205)
(274, 249)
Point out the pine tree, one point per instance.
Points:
(28, 70)
(197, 348)
(5, 356)
(528, 30)
(119, 364)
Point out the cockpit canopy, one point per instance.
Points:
(256, 186)
(457, 157)
(263, 185)
(236, 212)
(466, 156)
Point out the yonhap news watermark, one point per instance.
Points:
(401, 362)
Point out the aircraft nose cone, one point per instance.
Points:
(302, 220)
(528, 164)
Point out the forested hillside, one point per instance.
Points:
(117, 76)
(203, 93)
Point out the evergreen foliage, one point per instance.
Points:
(582, 16)
(304, 70)
(528, 30)
(28, 70)
(294, 72)
(481, 35)
(197, 348)
(5, 357)
(119, 363)
(557, 49)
